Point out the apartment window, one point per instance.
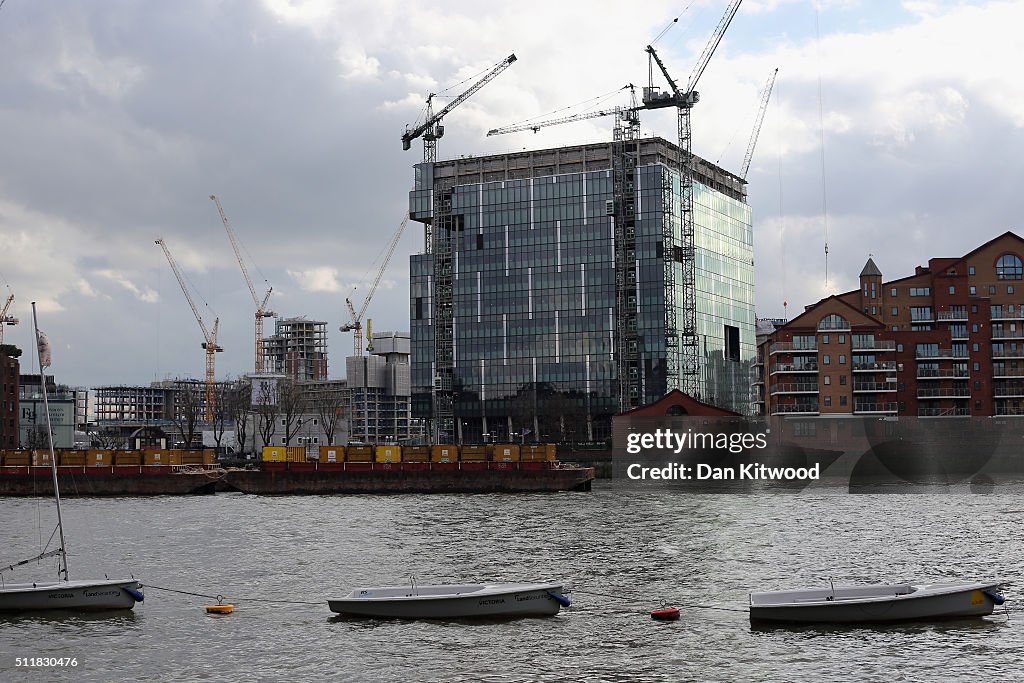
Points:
(828, 401)
(842, 400)
(895, 311)
(1009, 289)
(893, 291)
(842, 380)
(974, 347)
(828, 380)
(973, 290)
(952, 289)
(874, 310)
(974, 307)
(991, 289)
(899, 348)
(920, 291)
(970, 270)
(842, 359)
(974, 327)
(825, 360)
(824, 339)
(920, 313)
(874, 291)
(842, 339)
(1009, 267)
(977, 367)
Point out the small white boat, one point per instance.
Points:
(876, 603)
(453, 601)
(62, 594)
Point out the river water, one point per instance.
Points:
(636, 549)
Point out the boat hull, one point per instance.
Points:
(69, 595)
(925, 603)
(523, 601)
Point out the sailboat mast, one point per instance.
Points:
(49, 438)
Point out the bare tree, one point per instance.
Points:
(292, 403)
(239, 406)
(221, 410)
(266, 409)
(187, 411)
(330, 406)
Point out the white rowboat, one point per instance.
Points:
(70, 595)
(876, 603)
(453, 601)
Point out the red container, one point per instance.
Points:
(536, 465)
(416, 465)
(331, 466)
(157, 469)
(274, 466)
(301, 466)
(474, 466)
(127, 469)
(358, 466)
(444, 465)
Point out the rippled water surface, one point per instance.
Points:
(637, 550)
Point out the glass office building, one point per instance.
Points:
(534, 290)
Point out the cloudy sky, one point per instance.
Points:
(894, 127)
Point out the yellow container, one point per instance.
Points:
(209, 457)
(444, 453)
(157, 456)
(275, 454)
(332, 453)
(415, 453)
(41, 457)
(71, 457)
(128, 458)
(474, 453)
(99, 457)
(359, 453)
(533, 452)
(505, 452)
(17, 458)
(389, 453)
(296, 453)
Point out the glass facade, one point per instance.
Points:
(534, 303)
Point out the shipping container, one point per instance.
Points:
(69, 456)
(505, 452)
(41, 457)
(359, 454)
(474, 453)
(536, 452)
(444, 453)
(275, 454)
(123, 458)
(389, 453)
(17, 458)
(189, 457)
(99, 457)
(209, 457)
(415, 453)
(332, 454)
(296, 453)
(158, 457)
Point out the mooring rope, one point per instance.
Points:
(221, 598)
(681, 604)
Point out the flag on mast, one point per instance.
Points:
(43, 343)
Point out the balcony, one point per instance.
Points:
(1013, 390)
(881, 366)
(1007, 373)
(790, 367)
(1007, 334)
(951, 316)
(878, 345)
(794, 388)
(758, 381)
(790, 347)
(1019, 353)
(1005, 410)
(943, 412)
(874, 386)
(926, 354)
(944, 373)
(834, 326)
(796, 409)
(944, 392)
(1000, 313)
(874, 408)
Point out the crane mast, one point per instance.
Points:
(209, 339)
(261, 306)
(431, 129)
(757, 124)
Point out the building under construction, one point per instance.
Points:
(552, 292)
(298, 349)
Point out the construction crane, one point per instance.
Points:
(356, 323)
(757, 124)
(6, 319)
(261, 306)
(535, 126)
(685, 368)
(431, 129)
(210, 339)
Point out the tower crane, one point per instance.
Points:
(261, 306)
(757, 123)
(686, 367)
(6, 319)
(356, 323)
(431, 129)
(626, 112)
(210, 339)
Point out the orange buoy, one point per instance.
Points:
(665, 614)
(220, 608)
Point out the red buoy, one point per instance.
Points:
(665, 614)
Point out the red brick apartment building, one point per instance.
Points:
(10, 374)
(945, 341)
